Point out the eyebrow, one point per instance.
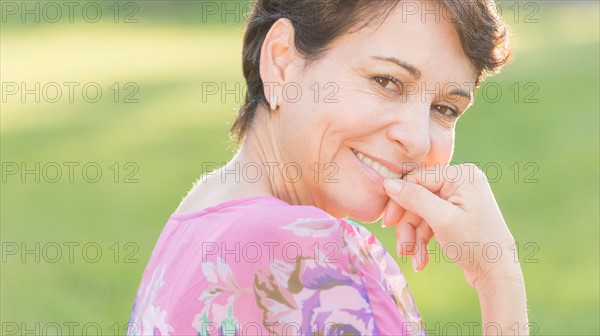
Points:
(460, 93)
(416, 73)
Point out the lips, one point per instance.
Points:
(377, 166)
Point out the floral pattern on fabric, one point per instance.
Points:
(322, 276)
(153, 321)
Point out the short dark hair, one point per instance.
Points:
(317, 23)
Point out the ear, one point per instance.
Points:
(277, 54)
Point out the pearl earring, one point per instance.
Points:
(273, 102)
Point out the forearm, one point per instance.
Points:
(503, 304)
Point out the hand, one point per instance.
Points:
(456, 204)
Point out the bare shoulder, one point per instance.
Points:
(204, 193)
(210, 191)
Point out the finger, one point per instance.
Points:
(416, 198)
(405, 238)
(440, 180)
(412, 220)
(393, 213)
(406, 232)
(423, 237)
(429, 178)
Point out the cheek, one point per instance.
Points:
(442, 145)
(353, 114)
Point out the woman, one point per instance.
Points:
(350, 112)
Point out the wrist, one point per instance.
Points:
(500, 276)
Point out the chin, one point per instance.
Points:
(366, 210)
(357, 197)
(367, 206)
(367, 215)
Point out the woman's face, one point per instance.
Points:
(389, 93)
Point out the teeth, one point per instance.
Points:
(377, 167)
(383, 171)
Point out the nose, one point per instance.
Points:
(411, 130)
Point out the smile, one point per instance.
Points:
(376, 166)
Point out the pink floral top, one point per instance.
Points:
(260, 266)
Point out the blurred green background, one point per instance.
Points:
(541, 133)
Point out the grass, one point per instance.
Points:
(171, 131)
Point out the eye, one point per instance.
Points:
(388, 83)
(446, 110)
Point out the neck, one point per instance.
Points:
(260, 150)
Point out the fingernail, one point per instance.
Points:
(383, 222)
(414, 262)
(392, 185)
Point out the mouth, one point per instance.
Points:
(380, 168)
